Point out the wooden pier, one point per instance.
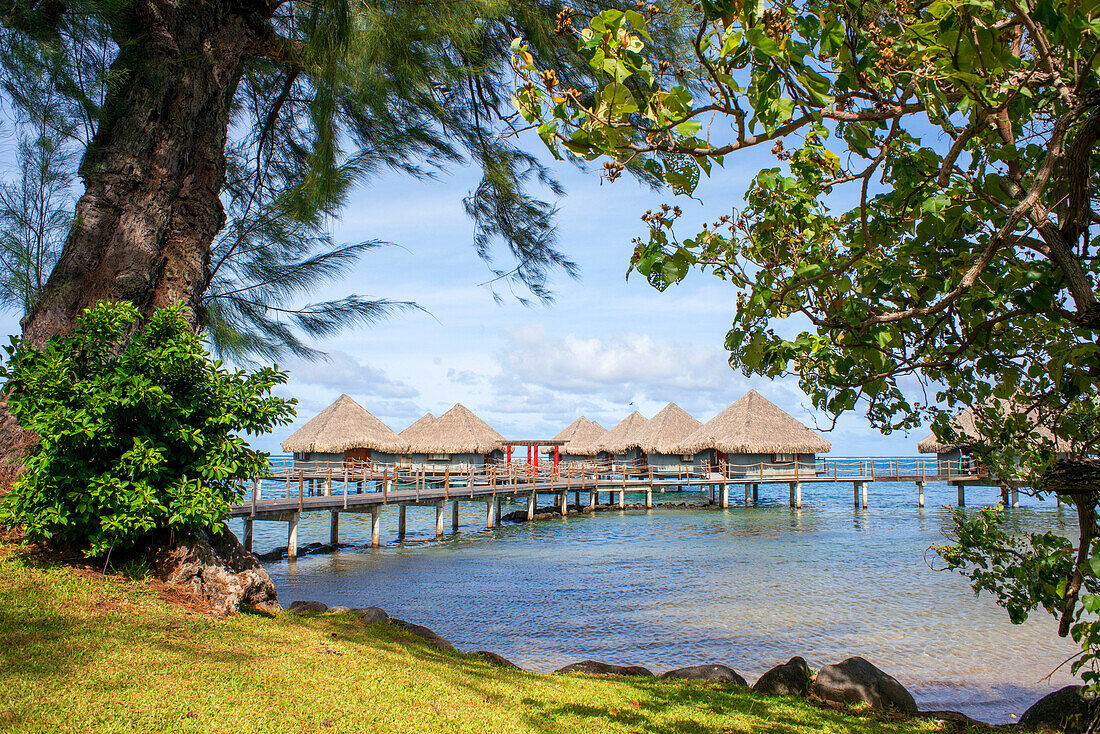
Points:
(291, 488)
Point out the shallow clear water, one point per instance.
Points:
(748, 587)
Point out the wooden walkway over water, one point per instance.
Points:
(289, 489)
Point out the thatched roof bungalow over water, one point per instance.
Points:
(961, 457)
(458, 438)
(344, 432)
(582, 438)
(624, 441)
(665, 432)
(755, 431)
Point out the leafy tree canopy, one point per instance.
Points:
(323, 96)
(930, 219)
(139, 428)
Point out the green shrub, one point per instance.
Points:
(139, 430)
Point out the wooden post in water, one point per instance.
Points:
(962, 494)
(401, 520)
(920, 493)
(531, 506)
(796, 492)
(1015, 497)
(725, 496)
(748, 493)
(649, 494)
(855, 494)
(334, 527)
(454, 516)
(439, 519)
(489, 519)
(247, 541)
(375, 526)
(863, 487)
(292, 536)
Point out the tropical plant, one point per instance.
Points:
(139, 430)
(929, 223)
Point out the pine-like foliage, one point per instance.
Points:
(339, 92)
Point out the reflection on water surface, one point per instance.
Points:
(748, 587)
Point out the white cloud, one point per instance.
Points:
(623, 364)
(344, 373)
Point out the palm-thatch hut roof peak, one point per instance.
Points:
(569, 431)
(754, 425)
(668, 429)
(419, 426)
(627, 435)
(341, 426)
(966, 424)
(582, 438)
(458, 431)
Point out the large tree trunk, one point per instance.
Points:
(154, 172)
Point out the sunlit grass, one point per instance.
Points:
(83, 653)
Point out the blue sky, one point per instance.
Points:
(606, 346)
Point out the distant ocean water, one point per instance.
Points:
(748, 587)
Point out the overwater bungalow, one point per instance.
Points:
(666, 431)
(582, 438)
(754, 432)
(344, 432)
(457, 439)
(962, 457)
(623, 443)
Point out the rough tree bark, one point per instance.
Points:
(153, 173)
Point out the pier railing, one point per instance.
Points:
(371, 475)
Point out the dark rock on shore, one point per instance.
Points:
(1071, 709)
(496, 659)
(307, 607)
(856, 680)
(430, 637)
(372, 615)
(792, 678)
(313, 549)
(217, 567)
(594, 667)
(713, 671)
(955, 717)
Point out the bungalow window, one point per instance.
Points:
(782, 457)
(687, 457)
(439, 457)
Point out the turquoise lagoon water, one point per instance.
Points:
(747, 586)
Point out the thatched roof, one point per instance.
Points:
(412, 434)
(582, 437)
(668, 429)
(966, 424)
(569, 431)
(458, 431)
(341, 426)
(754, 425)
(627, 435)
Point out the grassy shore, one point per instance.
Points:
(85, 653)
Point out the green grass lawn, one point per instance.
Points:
(84, 653)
